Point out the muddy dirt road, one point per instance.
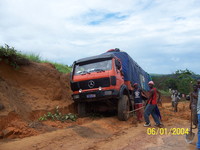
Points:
(109, 133)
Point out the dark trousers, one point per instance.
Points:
(150, 109)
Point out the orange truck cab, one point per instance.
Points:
(107, 78)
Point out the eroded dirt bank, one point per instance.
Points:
(29, 92)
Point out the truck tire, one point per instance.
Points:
(123, 107)
(82, 109)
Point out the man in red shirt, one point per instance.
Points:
(152, 106)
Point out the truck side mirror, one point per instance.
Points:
(118, 64)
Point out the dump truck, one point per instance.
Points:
(108, 78)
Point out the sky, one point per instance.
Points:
(162, 36)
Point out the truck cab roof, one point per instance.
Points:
(94, 58)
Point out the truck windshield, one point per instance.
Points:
(99, 66)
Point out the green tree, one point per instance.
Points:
(171, 82)
(184, 80)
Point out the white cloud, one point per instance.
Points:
(175, 59)
(65, 30)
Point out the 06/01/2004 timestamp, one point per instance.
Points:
(166, 131)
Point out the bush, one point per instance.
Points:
(58, 116)
(12, 57)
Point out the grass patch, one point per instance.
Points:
(16, 59)
(33, 57)
(36, 58)
(62, 68)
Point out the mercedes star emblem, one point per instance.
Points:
(91, 84)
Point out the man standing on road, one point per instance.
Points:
(138, 103)
(193, 104)
(198, 113)
(152, 106)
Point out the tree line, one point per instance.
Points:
(181, 80)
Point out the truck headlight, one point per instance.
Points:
(108, 92)
(76, 96)
(100, 88)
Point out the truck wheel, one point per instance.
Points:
(81, 109)
(123, 107)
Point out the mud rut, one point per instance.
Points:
(107, 133)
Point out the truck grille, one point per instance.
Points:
(90, 84)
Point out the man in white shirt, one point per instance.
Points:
(175, 99)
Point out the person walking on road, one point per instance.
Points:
(193, 104)
(175, 99)
(151, 107)
(138, 103)
(173, 93)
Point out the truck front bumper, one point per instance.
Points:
(95, 95)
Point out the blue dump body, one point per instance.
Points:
(131, 70)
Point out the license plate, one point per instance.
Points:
(91, 95)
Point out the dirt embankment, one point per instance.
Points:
(29, 92)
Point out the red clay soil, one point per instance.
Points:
(110, 133)
(29, 92)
